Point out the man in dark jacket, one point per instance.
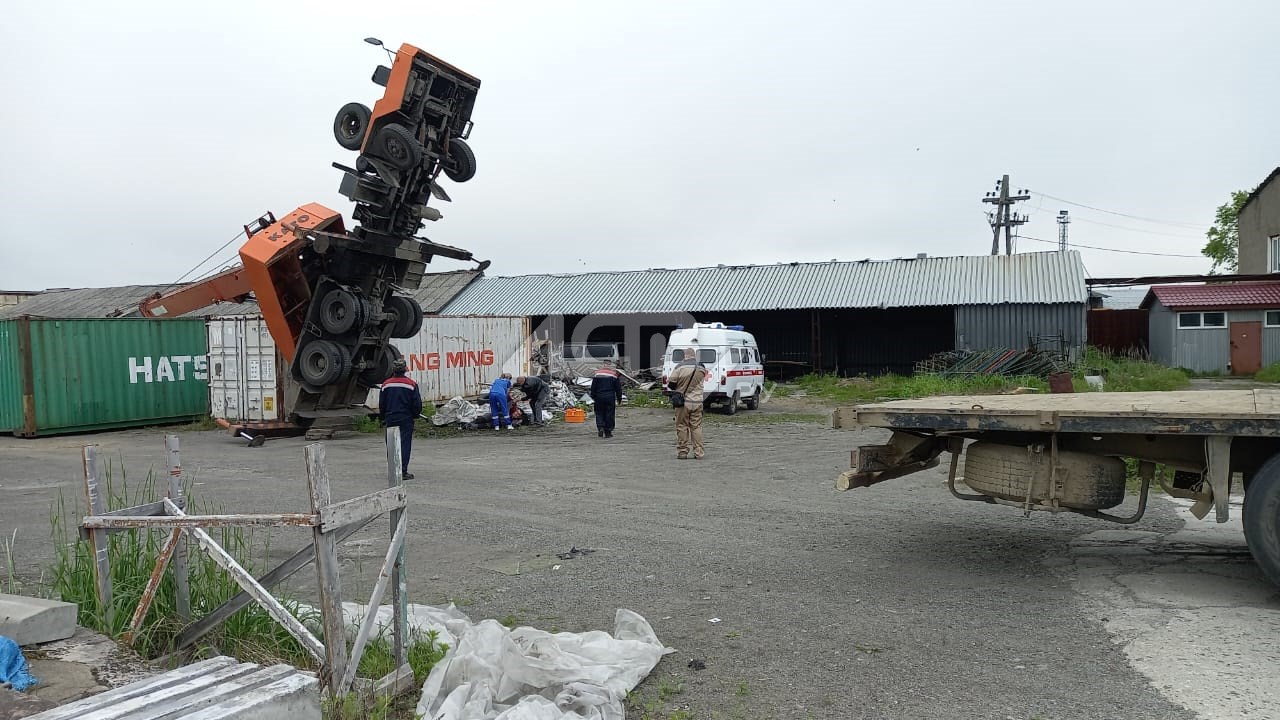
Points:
(606, 393)
(399, 404)
(538, 393)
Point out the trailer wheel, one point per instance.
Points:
(408, 316)
(351, 124)
(461, 165)
(753, 402)
(381, 368)
(341, 311)
(1085, 482)
(324, 362)
(1262, 518)
(395, 143)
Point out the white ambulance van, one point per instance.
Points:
(735, 370)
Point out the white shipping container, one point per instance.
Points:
(460, 355)
(242, 369)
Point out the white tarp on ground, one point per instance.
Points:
(491, 672)
(456, 410)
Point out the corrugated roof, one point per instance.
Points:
(1217, 295)
(107, 302)
(1037, 278)
(437, 289)
(1122, 298)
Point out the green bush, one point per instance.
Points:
(1270, 374)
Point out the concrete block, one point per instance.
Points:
(28, 621)
(215, 689)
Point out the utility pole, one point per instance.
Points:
(1064, 220)
(1002, 217)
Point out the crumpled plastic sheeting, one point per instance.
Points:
(492, 673)
(456, 410)
(14, 670)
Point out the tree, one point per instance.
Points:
(1223, 247)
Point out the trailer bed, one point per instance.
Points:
(1205, 412)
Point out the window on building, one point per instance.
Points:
(1189, 320)
(1273, 253)
(1273, 318)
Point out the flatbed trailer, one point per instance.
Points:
(1067, 452)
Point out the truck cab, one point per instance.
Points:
(735, 368)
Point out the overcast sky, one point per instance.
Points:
(139, 137)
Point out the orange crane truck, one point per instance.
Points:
(333, 297)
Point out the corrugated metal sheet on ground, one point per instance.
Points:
(1033, 278)
(460, 356)
(94, 374)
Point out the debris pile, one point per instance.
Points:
(998, 361)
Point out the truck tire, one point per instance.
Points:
(342, 311)
(732, 407)
(1261, 518)
(1086, 482)
(753, 402)
(351, 124)
(324, 362)
(408, 316)
(398, 146)
(461, 165)
(381, 368)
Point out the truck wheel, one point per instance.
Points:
(324, 362)
(341, 311)
(398, 146)
(753, 402)
(732, 407)
(381, 368)
(350, 125)
(461, 165)
(1085, 482)
(408, 316)
(1262, 518)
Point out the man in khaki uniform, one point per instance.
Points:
(687, 379)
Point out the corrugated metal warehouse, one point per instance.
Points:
(846, 317)
(1229, 327)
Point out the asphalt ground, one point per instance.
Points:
(895, 601)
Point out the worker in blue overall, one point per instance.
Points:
(500, 401)
(399, 404)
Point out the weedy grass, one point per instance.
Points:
(832, 388)
(1124, 373)
(1269, 374)
(250, 634)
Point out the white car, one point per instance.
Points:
(735, 369)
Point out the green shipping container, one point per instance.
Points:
(74, 375)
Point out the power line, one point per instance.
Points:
(1187, 225)
(1139, 230)
(202, 262)
(1115, 250)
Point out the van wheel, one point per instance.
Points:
(732, 407)
(753, 402)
